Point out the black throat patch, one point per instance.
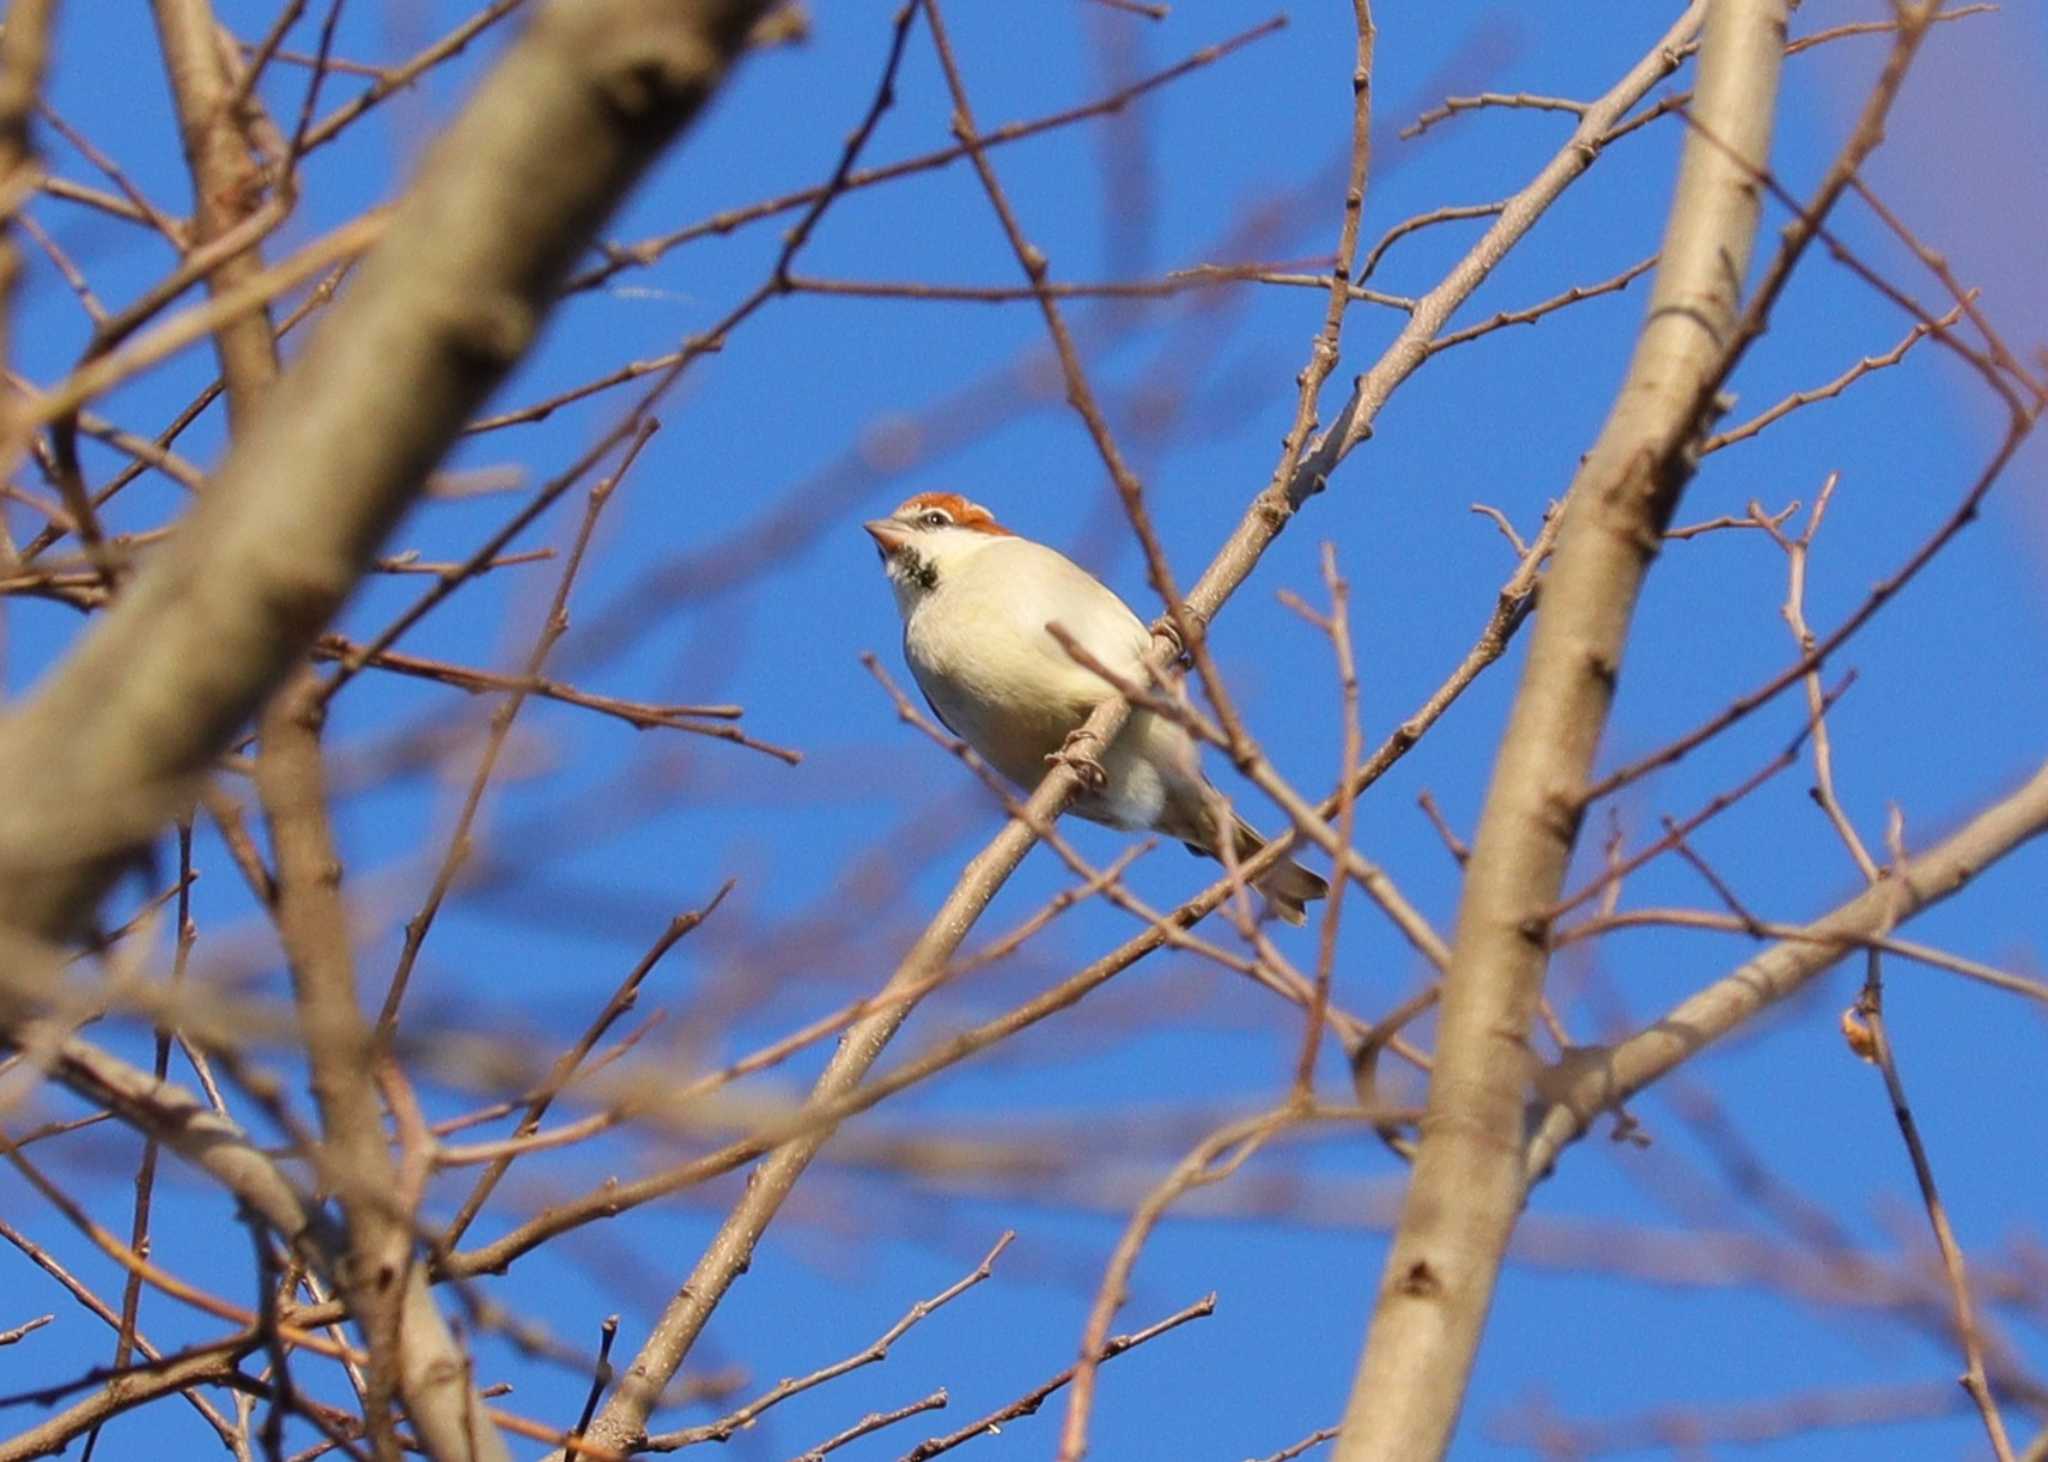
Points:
(920, 570)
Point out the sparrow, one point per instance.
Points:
(975, 600)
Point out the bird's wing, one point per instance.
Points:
(918, 678)
(911, 660)
(939, 713)
(1096, 617)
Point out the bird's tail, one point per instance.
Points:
(1288, 886)
(1190, 815)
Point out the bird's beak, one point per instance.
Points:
(889, 535)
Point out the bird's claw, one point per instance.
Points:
(1077, 754)
(1165, 627)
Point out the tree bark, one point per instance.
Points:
(109, 744)
(1468, 1184)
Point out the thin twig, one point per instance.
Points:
(553, 627)
(876, 1351)
(1212, 1160)
(1975, 1381)
(1030, 1401)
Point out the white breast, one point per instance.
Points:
(979, 649)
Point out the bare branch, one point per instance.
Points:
(445, 307)
(1030, 1401)
(1468, 1185)
(1625, 1069)
(875, 1352)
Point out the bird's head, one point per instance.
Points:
(927, 538)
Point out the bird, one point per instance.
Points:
(976, 600)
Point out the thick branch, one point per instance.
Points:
(1468, 1183)
(442, 309)
(1607, 1078)
(312, 922)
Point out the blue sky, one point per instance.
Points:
(821, 412)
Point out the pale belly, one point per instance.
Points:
(988, 667)
(1017, 742)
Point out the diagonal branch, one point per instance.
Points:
(1619, 1072)
(446, 305)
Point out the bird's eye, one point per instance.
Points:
(935, 519)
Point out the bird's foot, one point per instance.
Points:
(1165, 627)
(1078, 754)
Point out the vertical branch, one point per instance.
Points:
(1323, 353)
(1469, 1181)
(422, 1362)
(1870, 1006)
(1798, 552)
(24, 52)
(1871, 1038)
(312, 923)
(145, 1171)
(1338, 626)
(225, 189)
